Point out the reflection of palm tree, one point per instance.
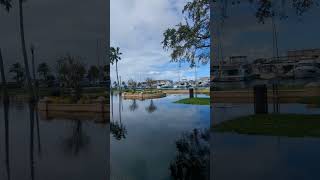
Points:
(151, 108)
(134, 105)
(77, 141)
(111, 103)
(118, 130)
(38, 130)
(31, 113)
(6, 119)
(193, 156)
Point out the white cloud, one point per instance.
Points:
(137, 27)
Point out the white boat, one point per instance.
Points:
(305, 69)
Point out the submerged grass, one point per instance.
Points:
(194, 101)
(289, 125)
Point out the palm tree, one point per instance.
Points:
(7, 5)
(114, 58)
(149, 82)
(3, 79)
(24, 50)
(18, 70)
(43, 70)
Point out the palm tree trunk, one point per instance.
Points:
(24, 51)
(35, 83)
(3, 78)
(119, 86)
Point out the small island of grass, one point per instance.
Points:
(194, 101)
(313, 100)
(289, 125)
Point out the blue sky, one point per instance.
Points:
(137, 27)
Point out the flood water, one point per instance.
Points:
(152, 128)
(55, 148)
(262, 157)
(140, 140)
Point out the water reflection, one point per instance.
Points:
(149, 149)
(32, 145)
(151, 108)
(134, 105)
(117, 128)
(192, 156)
(77, 140)
(7, 149)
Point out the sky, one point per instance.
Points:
(137, 27)
(56, 28)
(241, 34)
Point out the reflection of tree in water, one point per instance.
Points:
(193, 156)
(7, 151)
(151, 108)
(134, 106)
(78, 139)
(118, 130)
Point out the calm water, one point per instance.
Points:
(262, 157)
(152, 129)
(52, 149)
(141, 143)
(64, 146)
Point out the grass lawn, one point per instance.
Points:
(311, 100)
(194, 101)
(289, 125)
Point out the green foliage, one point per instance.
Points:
(149, 82)
(70, 72)
(132, 84)
(93, 73)
(194, 101)
(190, 41)
(192, 160)
(43, 70)
(290, 125)
(310, 100)
(115, 55)
(18, 71)
(7, 4)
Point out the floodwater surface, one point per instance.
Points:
(262, 157)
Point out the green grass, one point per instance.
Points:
(289, 125)
(194, 101)
(310, 100)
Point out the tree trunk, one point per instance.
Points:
(3, 79)
(35, 82)
(24, 51)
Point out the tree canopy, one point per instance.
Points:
(6, 4)
(190, 40)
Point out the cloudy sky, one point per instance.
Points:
(242, 34)
(137, 27)
(56, 28)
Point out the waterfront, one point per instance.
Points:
(149, 146)
(142, 143)
(58, 148)
(262, 157)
